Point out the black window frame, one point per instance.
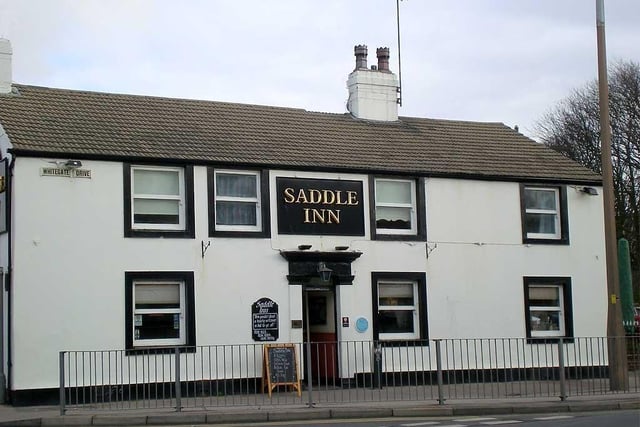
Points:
(563, 220)
(421, 217)
(567, 308)
(421, 279)
(189, 208)
(264, 210)
(190, 316)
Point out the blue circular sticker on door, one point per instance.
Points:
(362, 324)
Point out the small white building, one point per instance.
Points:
(130, 222)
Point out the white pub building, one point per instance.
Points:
(134, 222)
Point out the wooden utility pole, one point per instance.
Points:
(618, 377)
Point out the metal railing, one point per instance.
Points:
(343, 372)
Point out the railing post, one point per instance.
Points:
(563, 382)
(308, 347)
(377, 365)
(62, 394)
(439, 368)
(177, 369)
(309, 372)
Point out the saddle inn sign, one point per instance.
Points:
(319, 206)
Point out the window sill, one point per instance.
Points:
(399, 237)
(403, 343)
(175, 234)
(530, 241)
(240, 234)
(549, 340)
(152, 351)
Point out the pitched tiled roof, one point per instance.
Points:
(59, 122)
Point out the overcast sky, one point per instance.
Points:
(508, 61)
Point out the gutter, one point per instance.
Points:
(592, 180)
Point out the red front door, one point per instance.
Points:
(322, 332)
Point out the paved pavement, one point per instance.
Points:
(50, 415)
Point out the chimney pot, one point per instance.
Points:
(383, 58)
(360, 52)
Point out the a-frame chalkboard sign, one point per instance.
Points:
(280, 367)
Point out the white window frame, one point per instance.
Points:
(412, 206)
(256, 200)
(180, 198)
(415, 308)
(181, 311)
(555, 212)
(552, 309)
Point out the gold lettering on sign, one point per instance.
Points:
(329, 197)
(288, 195)
(302, 197)
(352, 198)
(315, 197)
(321, 197)
(333, 216)
(322, 216)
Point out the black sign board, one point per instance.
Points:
(280, 366)
(264, 320)
(320, 207)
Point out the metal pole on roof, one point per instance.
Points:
(618, 378)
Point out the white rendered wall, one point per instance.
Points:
(70, 257)
(5, 144)
(4, 237)
(373, 95)
(477, 260)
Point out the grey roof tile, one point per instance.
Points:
(62, 122)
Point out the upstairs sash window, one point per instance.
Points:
(395, 206)
(158, 198)
(237, 201)
(542, 213)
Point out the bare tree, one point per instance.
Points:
(573, 129)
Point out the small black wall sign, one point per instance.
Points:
(320, 206)
(264, 320)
